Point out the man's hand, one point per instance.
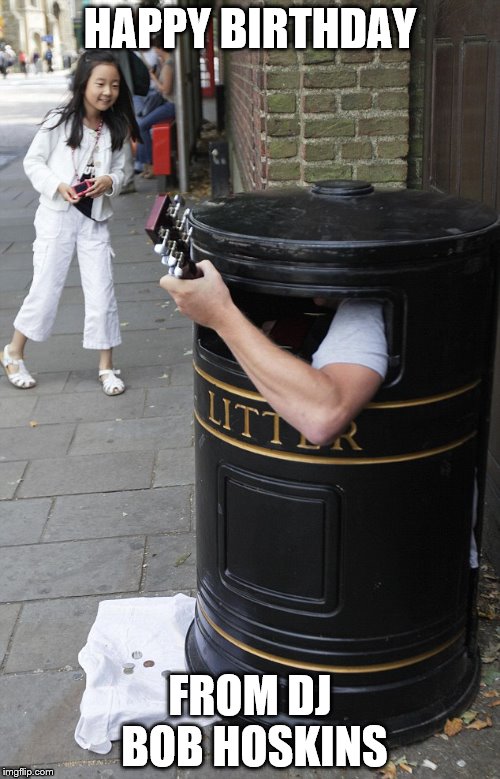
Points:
(205, 300)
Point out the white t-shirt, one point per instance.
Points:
(356, 336)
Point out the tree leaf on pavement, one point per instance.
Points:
(389, 771)
(480, 724)
(453, 726)
(468, 716)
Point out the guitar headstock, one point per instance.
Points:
(167, 227)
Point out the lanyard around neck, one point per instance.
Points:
(97, 136)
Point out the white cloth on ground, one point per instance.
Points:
(157, 628)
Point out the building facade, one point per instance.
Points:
(35, 25)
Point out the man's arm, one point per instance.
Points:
(320, 403)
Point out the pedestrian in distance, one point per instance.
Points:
(157, 107)
(48, 60)
(21, 58)
(76, 163)
(3, 63)
(37, 63)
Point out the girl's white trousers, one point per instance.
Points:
(58, 234)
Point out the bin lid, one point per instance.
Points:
(342, 221)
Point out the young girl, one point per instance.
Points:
(79, 145)
(164, 83)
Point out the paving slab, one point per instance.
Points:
(4, 245)
(146, 347)
(88, 473)
(60, 353)
(82, 568)
(174, 467)
(182, 375)
(95, 769)
(22, 521)
(147, 376)
(139, 292)
(9, 613)
(173, 401)
(129, 435)
(33, 443)
(49, 384)
(16, 408)
(49, 634)
(143, 512)
(12, 300)
(11, 475)
(37, 718)
(13, 260)
(171, 562)
(89, 406)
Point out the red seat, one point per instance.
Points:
(163, 135)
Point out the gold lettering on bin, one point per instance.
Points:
(211, 410)
(276, 426)
(304, 444)
(246, 418)
(227, 406)
(349, 437)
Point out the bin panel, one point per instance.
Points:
(283, 549)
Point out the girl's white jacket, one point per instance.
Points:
(49, 161)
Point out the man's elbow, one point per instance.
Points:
(326, 426)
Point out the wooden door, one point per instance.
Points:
(462, 149)
(463, 135)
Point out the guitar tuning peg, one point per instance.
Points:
(172, 259)
(161, 248)
(184, 218)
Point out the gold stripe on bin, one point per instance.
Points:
(332, 460)
(427, 400)
(253, 395)
(338, 669)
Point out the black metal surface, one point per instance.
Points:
(353, 558)
(306, 230)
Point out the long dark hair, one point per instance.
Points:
(120, 118)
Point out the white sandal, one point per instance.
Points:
(22, 378)
(111, 384)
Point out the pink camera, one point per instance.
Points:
(82, 187)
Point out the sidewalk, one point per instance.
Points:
(96, 501)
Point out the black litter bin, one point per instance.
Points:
(352, 559)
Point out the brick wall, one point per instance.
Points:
(317, 114)
(246, 99)
(417, 84)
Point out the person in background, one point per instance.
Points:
(48, 60)
(21, 58)
(3, 63)
(76, 163)
(37, 64)
(164, 89)
(150, 59)
(122, 56)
